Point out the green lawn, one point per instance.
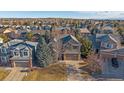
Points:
(56, 72)
(3, 74)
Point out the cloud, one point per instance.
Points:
(103, 14)
(113, 14)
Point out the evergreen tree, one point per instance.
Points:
(53, 52)
(43, 53)
(85, 47)
(121, 33)
(47, 36)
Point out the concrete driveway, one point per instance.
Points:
(16, 74)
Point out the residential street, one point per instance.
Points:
(15, 74)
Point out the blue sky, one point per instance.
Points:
(63, 14)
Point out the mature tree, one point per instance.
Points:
(29, 36)
(43, 53)
(53, 52)
(85, 47)
(77, 32)
(121, 33)
(47, 36)
(4, 37)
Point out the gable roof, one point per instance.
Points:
(16, 42)
(84, 30)
(112, 38)
(67, 38)
(21, 46)
(105, 37)
(8, 30)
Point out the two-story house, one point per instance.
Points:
(18, 53)
(69, 48)
(112, 57)
(105, 41)
(85, 32)
(11, 33)
(112, 62)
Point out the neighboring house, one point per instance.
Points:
(108, 30)
(19, 53)
(85, 32)
(4, 55)
(69, 48)
(11, 33)
(105, 41)
(112, 62)
(41, 32)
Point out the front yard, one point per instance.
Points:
(53, 72)
(59, 72)
(3, 73)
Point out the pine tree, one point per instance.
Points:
(85, 47)
(53, 52)
(47, 36)
(43, 53)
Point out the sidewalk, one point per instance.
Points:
(15, 75)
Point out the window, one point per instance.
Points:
(105, 45)
(111, 46)
(108, 45)
(75, 47)
(16, 53)
(114, 62)
(3, 59)
(25, 53)
(4, 50)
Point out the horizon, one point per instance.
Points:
(64, 14)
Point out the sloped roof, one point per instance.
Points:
(84, 30)
(104, 37)
(107, 28)
(21, 46)
(112, 38)
(67, 38)
(8, 30)
(18, 41)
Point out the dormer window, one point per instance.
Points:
(16, 53)
(25, 52)
(115, 63)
